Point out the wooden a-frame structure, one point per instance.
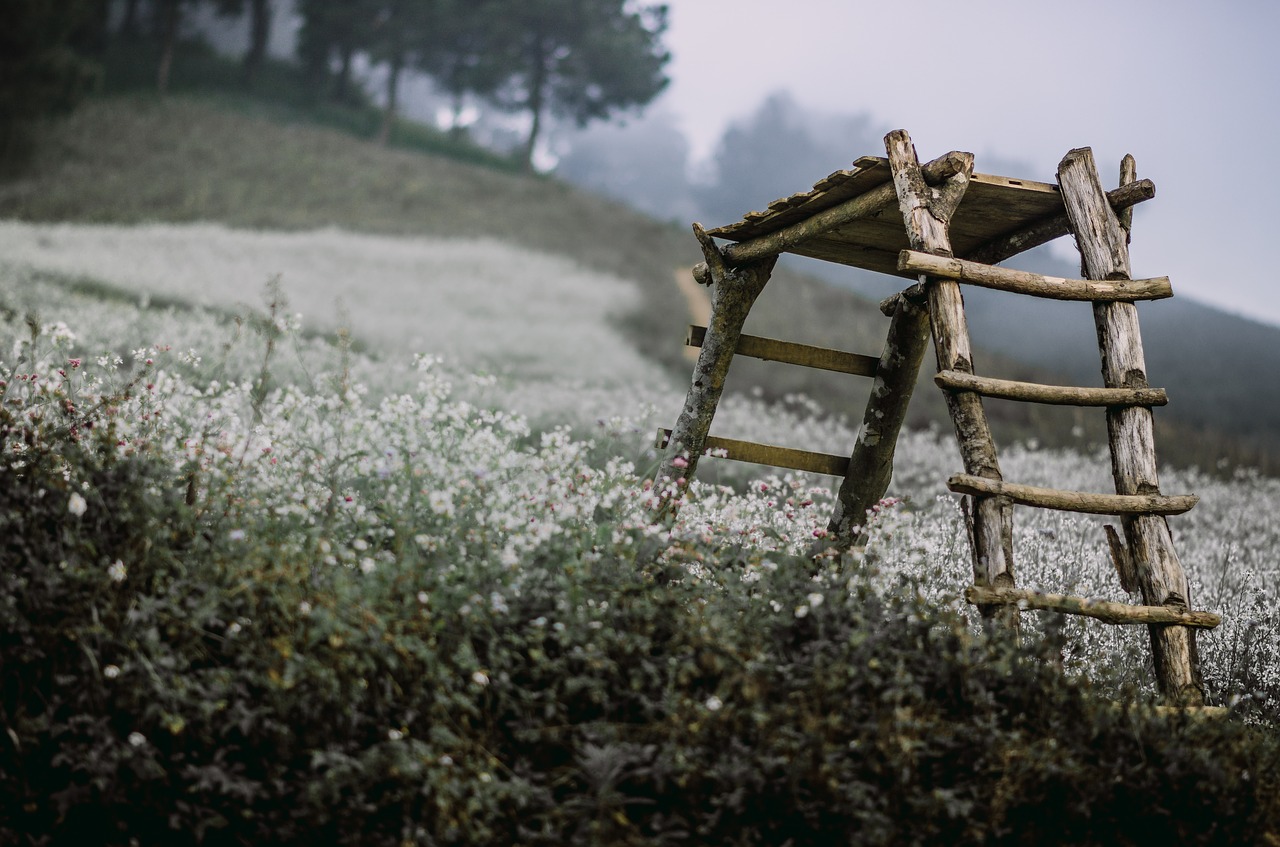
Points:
(943, 225)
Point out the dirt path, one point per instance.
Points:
(699, 304)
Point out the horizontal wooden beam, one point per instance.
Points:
(1055, 395)
(1042, 232)
(1037, 285)
(863, 205)
(767, 454)
(773, 350)
(1104, 610)
(1074, 501)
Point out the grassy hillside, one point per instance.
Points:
(133, 159)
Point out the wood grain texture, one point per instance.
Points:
(1036, 285)
(1104, 249)
(926, 213)
(769, 454)
(870, 467)
(1104, 610)
(1075, 501)
(734, 292)
(1054, 226)
(791, 353)
(1056, 395)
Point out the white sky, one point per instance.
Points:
(1191, 89)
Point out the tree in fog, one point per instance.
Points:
(643, 163)
(577, 59)
(259, 32)
(460, 51)
(334, 29)
(779, 150)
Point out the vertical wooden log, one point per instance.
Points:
(871, 464)
(926, 212)
(734, 292)
(1104, 251)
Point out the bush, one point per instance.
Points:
(192, 659)
(221, 691)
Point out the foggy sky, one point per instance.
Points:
(1189, 88)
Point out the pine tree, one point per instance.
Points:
(578, 59)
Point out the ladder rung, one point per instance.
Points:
(1037, 285)
(1059, 395)
(1104, 610)
(773, 350)
(1074, 501)
(767, 454)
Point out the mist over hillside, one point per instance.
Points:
(1207, 359)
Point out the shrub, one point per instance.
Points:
(190, 656)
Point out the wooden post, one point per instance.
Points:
(927, 214)
(734, 292)
(1104, 251)
(871, 465)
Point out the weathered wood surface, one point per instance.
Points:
(1054, 395)
(871, 203)
(1104, 249)
(870, 466)
(1074, 501)
(1042, 232)
(791, 353)
(1122, 561)
(926, 213)
(1103, 610)
(769, 454)
(1036, 285)
(736, 289)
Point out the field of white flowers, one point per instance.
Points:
(489, 402)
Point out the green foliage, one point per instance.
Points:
(580, 59)
(41, 71)
(169, 683)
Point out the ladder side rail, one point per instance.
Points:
(1103, 245)
(926, 214)
(734, 292)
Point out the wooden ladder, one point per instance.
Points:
(866, 472)
(1146, 559)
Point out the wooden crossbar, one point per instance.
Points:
(1057, 395)
(1036, 285)
(768, 454)
(1074, 501)
(1103, 610)
(1122, 199)
(806, 355)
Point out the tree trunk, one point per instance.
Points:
(393, 87)
(129, 24)
(536, 100)
(342, 86)
(259, 35)
(169, 38)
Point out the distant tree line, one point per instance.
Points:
(579, 60)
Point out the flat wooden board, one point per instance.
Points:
(993, 206)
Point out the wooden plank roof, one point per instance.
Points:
(993, 207)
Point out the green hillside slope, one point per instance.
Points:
(133, 159)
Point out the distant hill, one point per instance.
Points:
(135, 159)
